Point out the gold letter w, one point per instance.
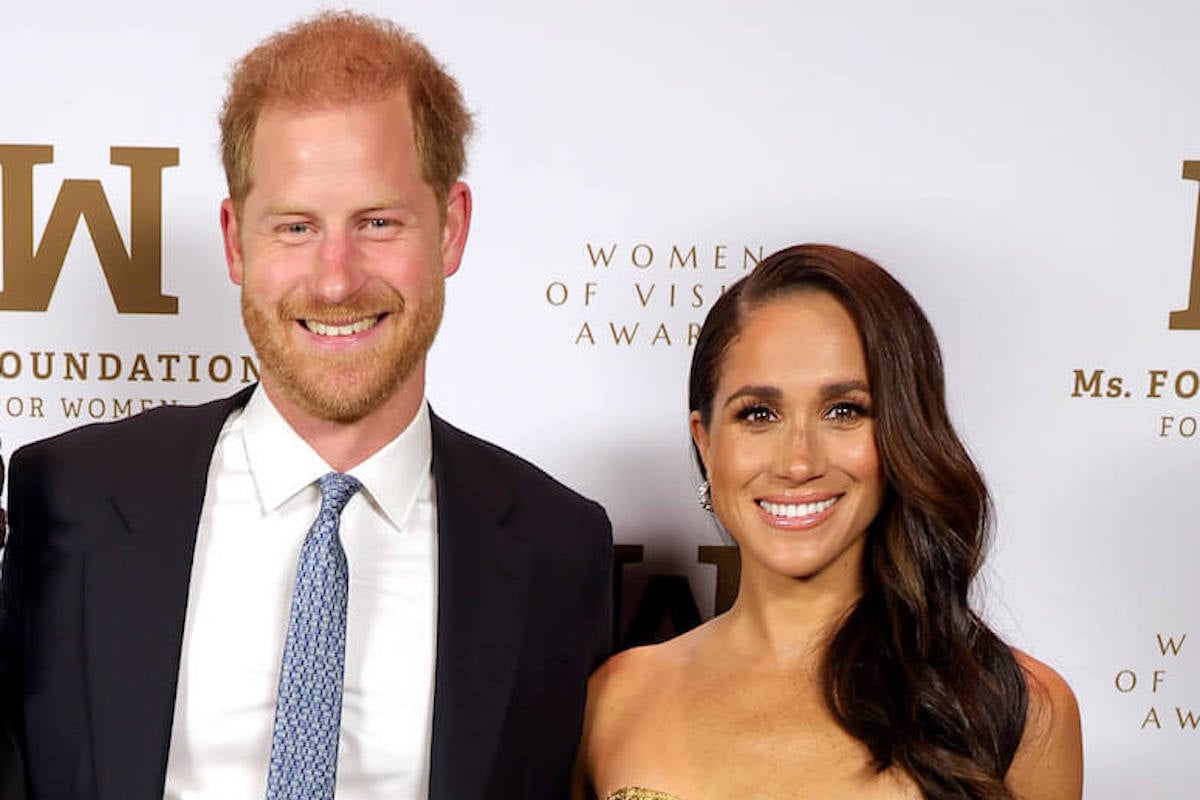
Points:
(134, 276)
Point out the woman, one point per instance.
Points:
(851, 664)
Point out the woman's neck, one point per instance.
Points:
(788, 619)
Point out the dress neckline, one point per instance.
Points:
(639, 793)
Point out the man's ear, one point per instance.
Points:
(233, 245)
(456, 227)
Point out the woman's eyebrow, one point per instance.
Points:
(844, 387)
(771, 393)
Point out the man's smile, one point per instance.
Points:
(345, 329)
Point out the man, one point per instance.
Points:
(11, 781)
(171, 624)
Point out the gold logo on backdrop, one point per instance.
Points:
(1162, 684)
(1163, 382)
(134, 275)
(1188, 319)
(641, 294)
(132, 371)
(666, 606)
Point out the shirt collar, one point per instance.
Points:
(282, 464)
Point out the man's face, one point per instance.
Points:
(341, 250)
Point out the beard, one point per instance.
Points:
(339, 386)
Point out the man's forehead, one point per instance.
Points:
(284, 115)
(316, 101)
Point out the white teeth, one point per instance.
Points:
(793, 510)
(321, 329)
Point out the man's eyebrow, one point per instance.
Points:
(284, 209)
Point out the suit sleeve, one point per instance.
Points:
(603, 631)
(12, 612)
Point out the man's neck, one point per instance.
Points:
(344, 445)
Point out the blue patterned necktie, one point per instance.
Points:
(308, 710)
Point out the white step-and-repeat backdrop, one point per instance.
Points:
(1029, 170)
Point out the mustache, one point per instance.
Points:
(372, 302)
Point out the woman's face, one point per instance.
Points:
(790, 448)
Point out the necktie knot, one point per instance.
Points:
(336, 490)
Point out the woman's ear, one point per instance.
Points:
(699, 437)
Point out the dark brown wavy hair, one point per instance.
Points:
(912, 671)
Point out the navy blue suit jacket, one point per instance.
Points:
(94, 593)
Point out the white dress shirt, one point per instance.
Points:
(260, 502)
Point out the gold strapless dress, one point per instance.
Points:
(638, 793)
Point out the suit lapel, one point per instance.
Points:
(481, 609)
(135, 595)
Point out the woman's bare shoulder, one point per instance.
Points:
(640, 688)
(632, 701)
(1049, 762)
(639, 670)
